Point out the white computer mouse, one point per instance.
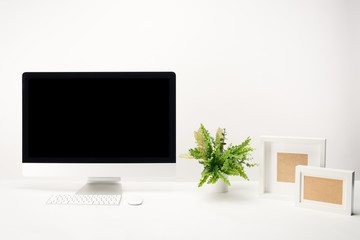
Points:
(134, 200)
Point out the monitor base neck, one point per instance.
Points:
(101, 186)
(104, 179)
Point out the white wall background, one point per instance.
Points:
(288, 68)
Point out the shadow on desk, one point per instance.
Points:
(73, 186)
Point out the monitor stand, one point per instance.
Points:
(101, 186)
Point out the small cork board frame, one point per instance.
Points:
(279, 157)
(325, 189)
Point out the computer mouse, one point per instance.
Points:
(134, 200)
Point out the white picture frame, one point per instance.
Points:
(315, 148)
(347, 177)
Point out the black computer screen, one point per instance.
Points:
(98, 118)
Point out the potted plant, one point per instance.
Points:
(220, 161)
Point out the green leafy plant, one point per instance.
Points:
(218, 160)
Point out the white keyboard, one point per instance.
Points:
(73, 199)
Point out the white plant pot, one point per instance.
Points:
(218, 187)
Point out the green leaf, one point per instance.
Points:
(197, 153)
(224, 178)
(216, 159)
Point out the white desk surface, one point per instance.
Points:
(170, 211)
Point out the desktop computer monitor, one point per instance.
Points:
(99, 124)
